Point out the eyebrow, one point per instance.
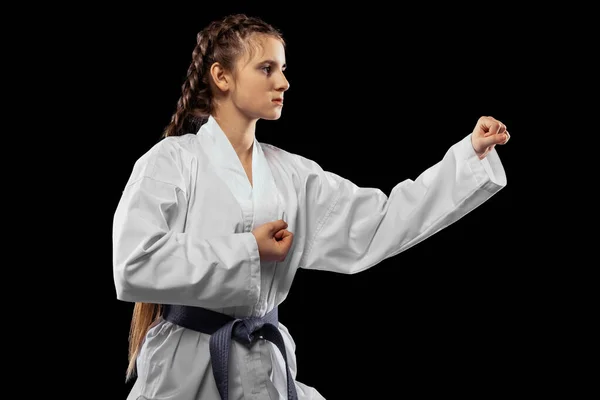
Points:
(273, 62)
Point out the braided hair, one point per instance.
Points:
(222, 41)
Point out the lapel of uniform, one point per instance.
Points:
(267, 205)
(260, 199)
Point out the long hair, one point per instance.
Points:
(223, 42)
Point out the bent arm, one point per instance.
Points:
(155, 261)
(362, 226)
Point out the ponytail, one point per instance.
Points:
(145, 315)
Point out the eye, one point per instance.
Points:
(267, 69)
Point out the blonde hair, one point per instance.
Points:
(221, 41)
(145, 315)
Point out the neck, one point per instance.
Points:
(239, 130)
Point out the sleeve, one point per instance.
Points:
(359, 227)
(156, 261)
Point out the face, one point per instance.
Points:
(259, 81)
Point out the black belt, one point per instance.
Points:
(223, 329)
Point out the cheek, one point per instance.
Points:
(251, 92)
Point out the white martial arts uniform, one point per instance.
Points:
(182, 235)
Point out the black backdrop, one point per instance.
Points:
(376, 96)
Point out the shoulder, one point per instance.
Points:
(298, 165)
(172, 147)
(167, 160)
(288, 158)
(286, 155)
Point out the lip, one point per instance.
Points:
(278, 101)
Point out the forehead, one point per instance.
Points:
(264, 47)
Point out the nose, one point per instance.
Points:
(283, 84)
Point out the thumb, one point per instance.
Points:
(498, 138)
(277, 226)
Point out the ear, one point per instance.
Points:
(220, 77)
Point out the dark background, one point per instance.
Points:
(376, 96)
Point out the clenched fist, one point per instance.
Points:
(273, 240)
(487, 134)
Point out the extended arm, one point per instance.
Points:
(361, 227)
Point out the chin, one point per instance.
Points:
(272, 117)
